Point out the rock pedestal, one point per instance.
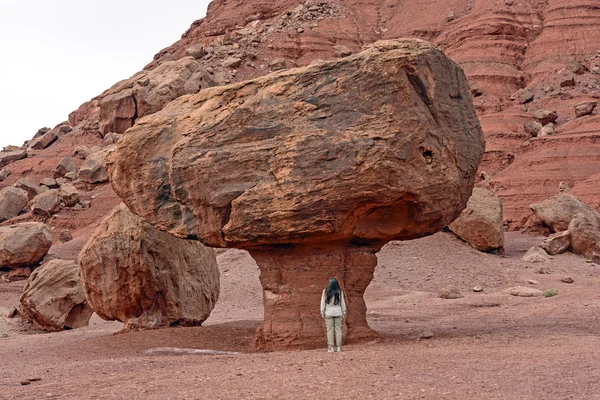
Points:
(293, 278)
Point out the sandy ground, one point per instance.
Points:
(486, 345)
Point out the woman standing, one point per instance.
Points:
(333, 310)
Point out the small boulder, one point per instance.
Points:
(563, 187)
(475, 89)
(92, 170)
(110, 139)
(547, 130)
(567, 279)
(41, 132)
(232, 62)
(533, 128)
(53, 298)
(557, 243)
(341, 51)
(196, 51)
(545, 116)
(66, 236)
(480, 223)
(65, 166)
(65, 129)
(558, 211)
(451, 16)
(450, 292)
(277, 64)
(577, 67)
(29, 186)
(4, 173)
(585, 108)
(68, 195)
(71, 176)
(50, 183)
(12, 202)
(524, 95)
(536, 255)
(43, 141)
(46, 203)
(585, 236)
(6, 157)
(523, 291)
(567, 79)
(82, 152)
(24, 244)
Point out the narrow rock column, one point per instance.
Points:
(293, 278)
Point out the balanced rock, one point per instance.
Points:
(584, 108)
(29, 186)
(281, 166)
(46, 203)
(53, 298)
(65, 166)
(557, 243)
(6, 157)
(12, 201)
(585, 236)
(146, 278)
(149, 91)
(558, 211)
(480, 224)
(24, 244)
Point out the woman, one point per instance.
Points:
(333, 310)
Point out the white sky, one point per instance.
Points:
(58, 54)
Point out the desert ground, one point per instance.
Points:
(485, 345)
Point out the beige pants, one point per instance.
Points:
(334, 330)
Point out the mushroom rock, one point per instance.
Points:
(312, 170)
(147, 278)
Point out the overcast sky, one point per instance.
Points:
(57, 54)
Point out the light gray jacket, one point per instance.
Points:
(330, 309)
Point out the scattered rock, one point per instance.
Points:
(65, 166)
(584, 108)
(563, 187)
(450, 293)
(533, 128)
(567, 80)
(65, 128)
(543, 271)
(532, 282)
(71, 176)
(558, 211)
(111, 139)
(12, 313)
(10, 156)
(68, 195)
(426, 335)
(577, 67)
(341, 51)
(50, 183)
(82, 152)
(524, 95)
(536, 255)
(451, 16)
(547, 130)
(232, 62)
(4, 173)
(277, 64)
(92, 170)
(567, 279)
(478, 289)
(480, 223)
(196, 51)
(557, 243)
(29, 186)
(146, 278)
(24, 244)
(43, 141)
(585, 236)
(41, 132)
(66, 236)
(475, 89)
(46, 203)
(17, 274)
(12, 202)
(523, 291)
(545, 117)
(53, 298)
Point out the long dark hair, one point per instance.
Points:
(333, 291)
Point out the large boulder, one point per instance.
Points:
(6, 157)
(53, 298)
(147, 278)
(312, 170)
(149, 91)
(12, 201)
(24, 244)
(557, 243)
(480, 224)
(585, 236)
(558, 211)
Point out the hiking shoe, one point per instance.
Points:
(330, 350)
(339, 348)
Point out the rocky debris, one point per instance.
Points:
(50, 183)
(567, 79)
(557, 243)
(53, 298)
(533, 128)
(524, 95)
(347, 189)
(71, 176)
(558, 211)
(66, 236)
(92, 170)
(43, 141)
(29, 186)
(110, 139)
(146, 278)
(341, 51)
(545, 117)
(149, 91)
(65, 129)
(46, 203)
(480, 223)
(82, 152)
(567, 279)
(68, 195)
(536, 255)
(4, 173)
(585, 236)
(547, 130)
(12, 202)
(196, 51)
(231, 62)
(277, 64)
(450, 293)
(6, 157)
(585, 108)
(24, 244)
(65, 166)
(523, 291)
(577, 67)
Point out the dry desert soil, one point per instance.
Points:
(485, 345)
